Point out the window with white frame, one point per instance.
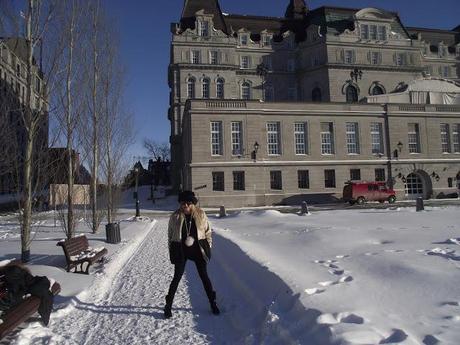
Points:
(414, 138)
(246, 90)
(204, 28)
(245, 62)
(456, 138)
(191, 87)
(382, 33)
(327, 138)
(206, 88)
(214, 57)
(300, 138)
(349, 56)
(303, 179)
(216, 138)
(237, 138)
(273, 138)
(238, 180)
(267, 40)
(377, 138)
(244, 38)
(400, 59)
(446, 71)
(373, 32)
(195, 57)
(375, 58)
(352, 134)
(364, 31)
(220, 88)
(445, 138)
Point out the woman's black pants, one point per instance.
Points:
(179, 269)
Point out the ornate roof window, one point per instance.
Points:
(244, 39)
(203, 28)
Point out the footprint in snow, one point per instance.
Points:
(394, 250)
(337, 272)
(313, 291)
(450, 303)
(397, 336)
(333, 319)
(430, 340)
(370, 254)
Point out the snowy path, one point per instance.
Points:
(126, 307)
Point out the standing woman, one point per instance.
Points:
(189, 238)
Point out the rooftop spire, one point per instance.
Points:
(191, 7)
(296, 9)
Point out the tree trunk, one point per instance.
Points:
(94, 170)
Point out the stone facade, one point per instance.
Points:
(328, 55)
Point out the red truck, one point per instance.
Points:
(360, 192)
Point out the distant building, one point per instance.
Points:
(295, 85)
(13, 86)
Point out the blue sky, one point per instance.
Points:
(145, 43)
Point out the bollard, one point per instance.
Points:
(419, 204)
(222, 212)
(304, 209)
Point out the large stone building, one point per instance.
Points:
(296, 85)
(13, 86)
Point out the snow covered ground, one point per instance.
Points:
(363, 276)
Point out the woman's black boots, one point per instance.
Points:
(167, 309)
(212, 302)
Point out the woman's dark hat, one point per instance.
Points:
(187, 196)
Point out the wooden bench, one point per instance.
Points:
(78, 253)
(20, 312)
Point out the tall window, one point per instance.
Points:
(214, 57)
(191, 87)
(204, 29)
(351, 94)
(373, 32)
(400, 59)
(329, 178)
(380, 175)
(218, 183)
(303, 179)
(220, 88)
(245, 62)
(352, 137)
(237, 136)
(216, 138)
(246, 90)
(273, 138)
(376, 137)
(300, 137)
(349, 56)
(267, 40)
(445, 138)
(195, 56)
(414, 138)
(327, 138)
(316, 95)
(355, 174)
(365, 32)
(205, 87)
(382, 33)
(375, 58)
(238, 180)
(243, 39)
(456, 138)
(275, 180)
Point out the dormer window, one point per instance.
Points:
(365, 31)
(373, 32)
(382, 33)
(267, 40)
(442, 51)
(244, 39)
(204, 29)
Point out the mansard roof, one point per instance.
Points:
(436, 36)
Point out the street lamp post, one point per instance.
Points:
(136, 194)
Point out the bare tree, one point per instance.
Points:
(157, 149)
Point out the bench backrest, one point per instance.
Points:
(74, 246)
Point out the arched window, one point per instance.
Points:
(316, 95)
(191, 87)
(352, 94)
(246, 90)
(205, 87)
(377, 90)
(220, 88)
